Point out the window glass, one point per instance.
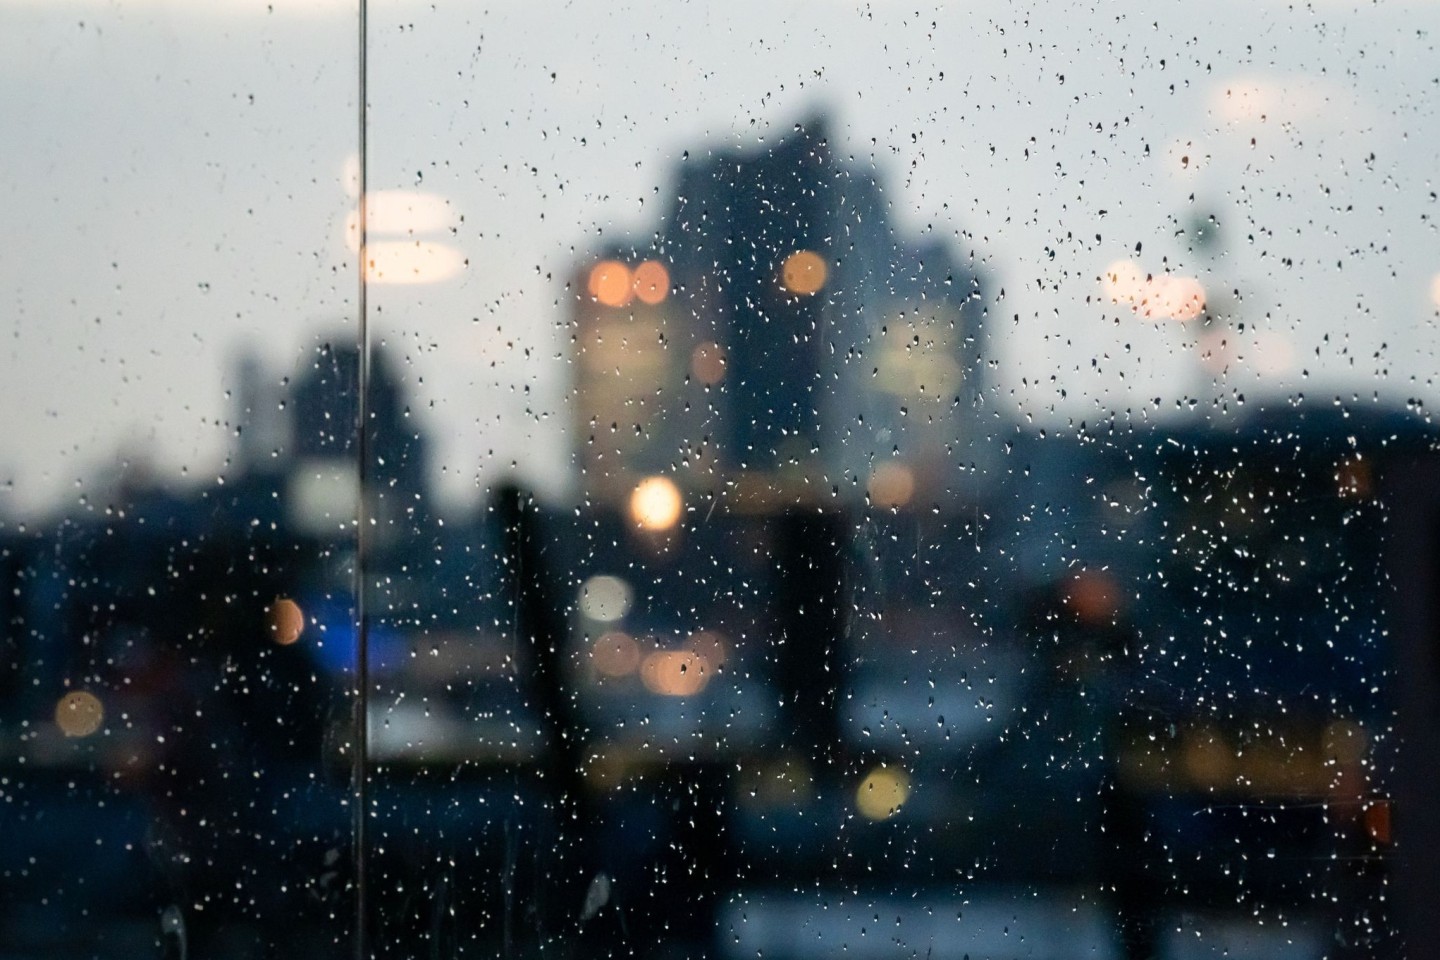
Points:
(673, 480)
(177, 538)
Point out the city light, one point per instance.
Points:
(674, 673)
(1377, 820)
(655, 504)
(395, 251)
(1175, 298)
(803, 272)
(605, 598)
(287, 622)
(652, 282)
(1093, 597)
(616, 654)
(1208, 759)
(1153, 297)
(882, 793)
(707, 363)
(1124, 281)
(79, 713)
(891, 484)
(611, 283)
(398, 213)
(411, 262)
(710, 646)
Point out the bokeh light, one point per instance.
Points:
(79, 713)
(1345, 742)
(1435, 291)
(1208, 759)
(1176, 298)
(1153, 297)
(605, 598)
(411, 262)
(287, 622)
(882, 793)
(655, 503)
(674, 673)
(616, 654)
(1093, 597)
(707, 363)
(1124, 281)
(891, 484)
(652, 282)
(711, 647)
(803, 272)
(1377, 820)
(610, 283)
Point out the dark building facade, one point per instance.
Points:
(798, 345)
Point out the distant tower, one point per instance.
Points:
(325, 445)
(797, 347)
(255, 416)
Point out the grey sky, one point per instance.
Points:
(172, 177)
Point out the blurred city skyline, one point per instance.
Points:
(198, 205)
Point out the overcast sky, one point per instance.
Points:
(173, 181)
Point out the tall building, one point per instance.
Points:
(324, 481)
(777, 341)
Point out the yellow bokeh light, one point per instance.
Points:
(655, 504)
(674, 673)
(287, 622)
(803, 272)
(1435, 291)
(610, 283)
(891, 484)
(707, 363)
(79, 713)
(652, 282)
(616, 654)
(882, 793)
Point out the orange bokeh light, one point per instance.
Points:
(707, 363)
(616, 654)
(651, 282)
(611, 283)
(803, 272)
(891, 484)
(1093, 596)
(287, 622)
(1377, 821)
(674, 673)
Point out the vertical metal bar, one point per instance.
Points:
(362, 624)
